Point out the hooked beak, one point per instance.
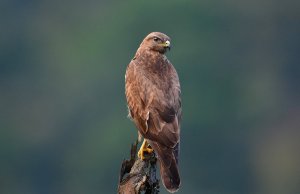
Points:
(167, 45)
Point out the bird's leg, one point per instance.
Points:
(144, 148)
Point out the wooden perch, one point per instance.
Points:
(138, 175)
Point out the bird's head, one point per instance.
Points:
(157, 41)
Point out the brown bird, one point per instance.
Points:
(153, 96)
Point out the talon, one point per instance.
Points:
(144, 149)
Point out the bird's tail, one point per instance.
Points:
(168, 158)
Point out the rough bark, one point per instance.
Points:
(138, 176)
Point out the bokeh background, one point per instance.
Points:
(63, 125)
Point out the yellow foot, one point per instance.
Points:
(145, 148)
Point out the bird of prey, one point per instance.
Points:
(154, 104)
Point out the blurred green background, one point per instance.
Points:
(63, 125)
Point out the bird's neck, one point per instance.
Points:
(150, 55)
(152, 61)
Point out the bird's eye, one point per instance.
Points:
(155, 39)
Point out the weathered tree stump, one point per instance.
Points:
(138, 176)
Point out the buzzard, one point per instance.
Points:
(153, 97)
